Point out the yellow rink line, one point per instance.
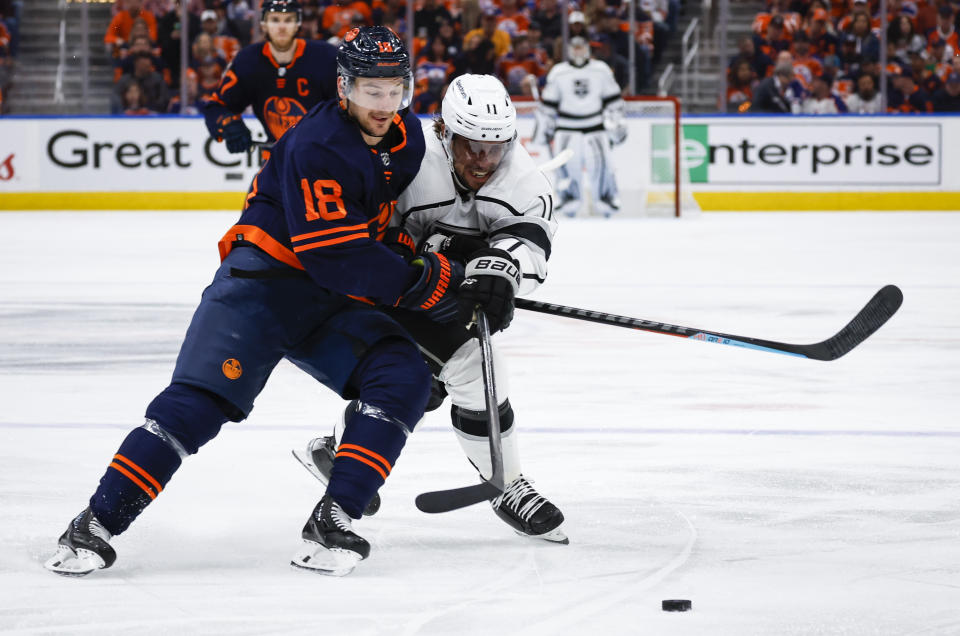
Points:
(818, 201)
(708, 201)
(121, 200)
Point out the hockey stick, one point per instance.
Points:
(874, 314)
(556, 162)
(456, 498)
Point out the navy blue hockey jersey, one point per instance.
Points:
(323, 200)
(280, 95)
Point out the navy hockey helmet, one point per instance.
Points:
(373, 52)
(281, 6)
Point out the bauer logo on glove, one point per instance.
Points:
(486, 265)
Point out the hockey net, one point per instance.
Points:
(648, 166)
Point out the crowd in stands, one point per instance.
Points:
(10, 11)
(518, 40)
(814, 57)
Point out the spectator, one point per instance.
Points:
(771, 95)
(453, 43)
(120, 27)
(740, 85)
(479, 55)
(805, 65)
(902, 33)
(551, 23)
(342, 16)
(940, 52)
(10, 11)
(240, 18)
(310, 25)
(140, 44)
(429, 16)
(512, 19)
(193, 98)
(947, 98)
(226, 45)
(866, 101)
(822, 100)
(516, 65)
(822, 41)
(773, 40)
(434, 69)
(169, 30)
(945, 29)
(906, 96)
(603, 51)
(154, 90)
(924, 77)
(577, 27)
(133, 102)
(866, 42)
(488, 31)
(759, 62)
(535, 38)
(848, 58)
(209, 73)
(203, 52)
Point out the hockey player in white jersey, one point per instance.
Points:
(479, 199)
(582, 109)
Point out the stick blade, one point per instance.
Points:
(456, 498)
(874, 314)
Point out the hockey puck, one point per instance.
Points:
(676, 605)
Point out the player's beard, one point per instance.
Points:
(365, 126)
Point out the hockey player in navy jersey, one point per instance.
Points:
(300, 274)
(479, 199)
(281, 78)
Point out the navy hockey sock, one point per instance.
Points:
(138, 473)
(393, 385)
(366, 455)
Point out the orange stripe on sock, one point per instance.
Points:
(134, 479)
(366, 461)
(142, 472)
(369, 452)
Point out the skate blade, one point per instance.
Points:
(66, 562)
(557, 535)
(307, 462)
(317, 558)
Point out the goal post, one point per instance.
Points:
(650, 176)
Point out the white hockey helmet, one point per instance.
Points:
(578, 51)
(478, 107)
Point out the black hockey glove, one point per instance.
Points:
(235, 133)
(400, 242)
(434, 292)
(459, 247)
(492, 281)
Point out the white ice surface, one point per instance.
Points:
(781, 495)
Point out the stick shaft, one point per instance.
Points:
(874, 314)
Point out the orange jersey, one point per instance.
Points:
(343, 17)
(122, 23)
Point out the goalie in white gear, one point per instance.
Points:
(478, 198)
(582, 109)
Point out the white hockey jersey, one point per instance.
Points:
(513, 211)
(577, 96)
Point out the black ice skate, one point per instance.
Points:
(529, 513)
(83, 548)
(318, 459)
(330, 546)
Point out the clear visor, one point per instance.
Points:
(381, 94)
(481, 154)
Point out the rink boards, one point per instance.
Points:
(728, 163)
